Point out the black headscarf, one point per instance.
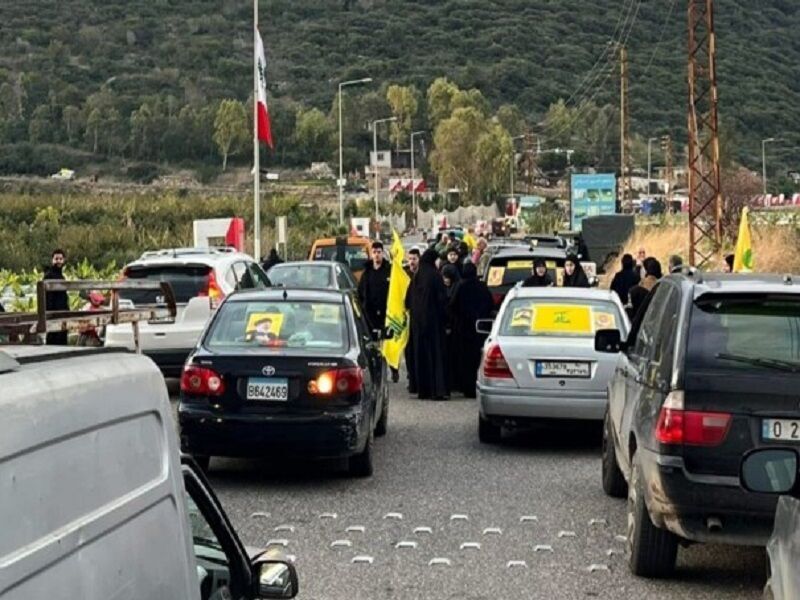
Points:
(538, 281)
(625, 279)
(426, 294)
(578, 277)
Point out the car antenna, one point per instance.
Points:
(285, 295)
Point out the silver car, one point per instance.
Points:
(539, 360)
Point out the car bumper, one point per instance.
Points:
(321, 435)
(686, 503)
(504, 404)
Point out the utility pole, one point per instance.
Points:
(650, 164)
(764, 160)
(626, 191)
(705, 191)
(666, 147)
(413, 174)
(513, 166)
(375, 166)
(340, 182)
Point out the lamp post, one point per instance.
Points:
(375, 154)
(649, 163)
(764, 160)
(340, 182)
(513, 156)
(413, 185)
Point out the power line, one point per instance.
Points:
(660, 37)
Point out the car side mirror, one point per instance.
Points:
(769, 471)
(608, 341)
(274, 579)
(484, 326)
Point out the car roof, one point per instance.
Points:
(737, 283)
(311, 264)
(290, 294)
(183, 256)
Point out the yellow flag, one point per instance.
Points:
(743, 261)
(470, 241)
(396, 316)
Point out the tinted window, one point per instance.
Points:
(306, 275)
(741, 328)
(556, 317)
(664, 350)
(354, 256)
(342, 279)
(510, 270)
(650, 323)
(186, 281)
(251, 324)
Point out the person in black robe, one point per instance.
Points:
(271, 260)
(56, 300)
(539, 275)
(625, 279)
(470, 302)
(574, 275)
(451, 278)
(426, 300)
(411, 371)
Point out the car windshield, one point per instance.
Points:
(187, 281)
(511, 270)
(307, 275)
(558, 317)
(278, 324)
(759, 331)
(354, 256)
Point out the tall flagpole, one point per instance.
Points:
(256, 158)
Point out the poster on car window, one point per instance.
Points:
(495, 276)
(263, 326)
(566, 318)
(325, 313)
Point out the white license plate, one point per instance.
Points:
(259, 388)
(786, 430)
(552, 368)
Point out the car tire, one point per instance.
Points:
(204, 462)
(652, 551)
(488, 432)
(614, 483)
(360, 465)
(383, 422)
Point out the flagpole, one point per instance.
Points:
(256, 157)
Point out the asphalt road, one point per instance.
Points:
(430, 467)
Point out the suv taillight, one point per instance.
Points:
(339, 381)
(200, 381)
(495, 365)
(677, 426)
(212, 290)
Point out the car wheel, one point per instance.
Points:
(651, 551)
(614, 483)
(360, 465)
(204, 462)
(383, 422)
(488, 432)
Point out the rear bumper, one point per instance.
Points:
(500, 404)
(323, 435)
(683, 503)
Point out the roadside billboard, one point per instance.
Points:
(591, 196)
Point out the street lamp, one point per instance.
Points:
(764, 160)
(513, 155)
(649, 164)
(375, 154)
(413, 186)
(340, 182)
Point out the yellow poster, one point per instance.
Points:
(520, 264)
(550, 264)
(522, 317)
(263, 325)
(604, 320)
(552, 318)
(326, 313)
(495, 276)
(560, 277)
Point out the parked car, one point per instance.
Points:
(774, 471)
(539, 360)
(130, 518)
(709, 371)
(352, 251)
(286, 370)
(200, 278)
(313, 275)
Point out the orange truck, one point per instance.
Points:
(353, 251)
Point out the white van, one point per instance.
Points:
(95, 500)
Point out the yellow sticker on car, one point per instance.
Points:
(263, 325)
(521, 318)
(520, 264)
(326, 313)
(604, 320)
(568, 319)
(495, 276)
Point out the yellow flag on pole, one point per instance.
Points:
(396, 315)
(743, 261)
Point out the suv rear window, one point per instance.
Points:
(558, 317)
(745, 331)
(509, 270)
(187, 282)
(355, 256)
(260, 324)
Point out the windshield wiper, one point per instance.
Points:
(207, 542)
(771, 363)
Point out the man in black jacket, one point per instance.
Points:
(56, 300)
(373, 290)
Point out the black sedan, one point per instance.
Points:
(285, 370)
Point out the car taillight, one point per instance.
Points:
(677, 426)
(498, 298)
(200, 381)
(495, 365)
(212, 290)
(339, 381)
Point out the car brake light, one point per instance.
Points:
(498, 297)
(339, 381)
(677, 426)
(212, 290)
(200, 381)
(495, 365)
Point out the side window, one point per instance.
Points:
(241, 277)
(258, 276)
(361, 324)
(666, 337)
(650, 323)
(341, 279)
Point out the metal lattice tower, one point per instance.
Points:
(626, 188)
(705, 194)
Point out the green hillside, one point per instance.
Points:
(142, 79)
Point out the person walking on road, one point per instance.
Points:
(411, 372)
(625, 279)
(426, 299)
(639, 292)
(470, 302)
(539, 275)
(373, 291)
(675, 264)
(574, 275)
(451, 279)
(271, 260)
(56, 300)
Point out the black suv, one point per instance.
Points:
(710, 371)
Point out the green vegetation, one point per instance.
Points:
(82, 81)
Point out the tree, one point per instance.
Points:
(440, 100)
(511, 118)
(313, 135)
(40, 128)
(230, 129)
(493, 151)
(404, 105)
(72, 119)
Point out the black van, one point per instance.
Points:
(710, 371)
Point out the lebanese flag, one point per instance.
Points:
(264, 128)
